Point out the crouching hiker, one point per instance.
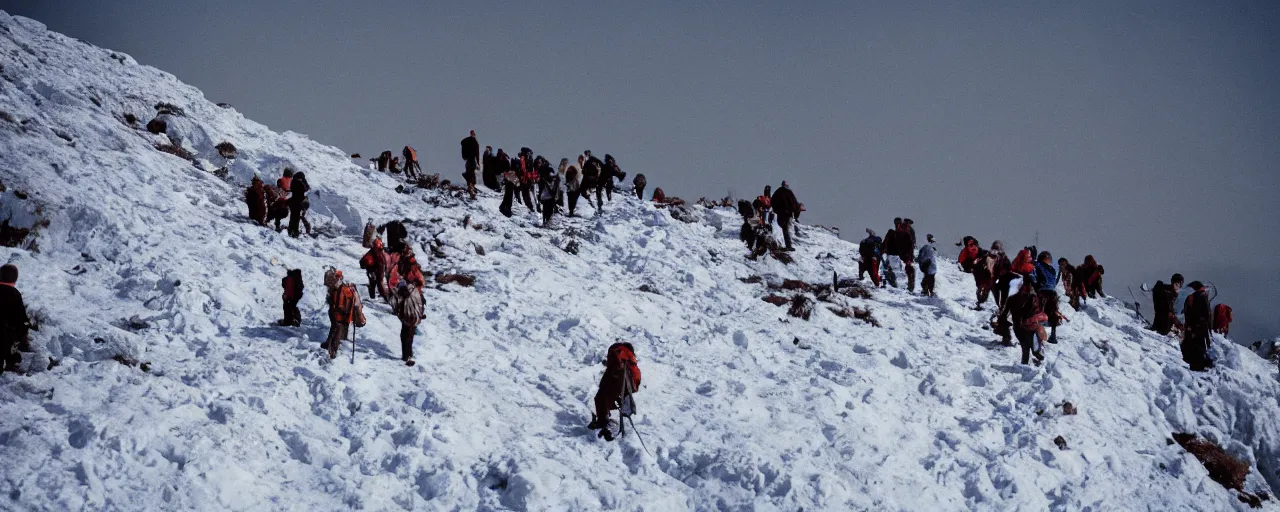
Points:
(621, 379)
(14, 323)
(406, 303)
(292, 284)
(344, 309)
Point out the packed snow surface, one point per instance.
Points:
(149, 256)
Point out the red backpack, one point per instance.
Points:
(623, 357)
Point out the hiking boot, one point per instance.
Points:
(609, 431)
(1038, 355)
(595, 423)
(410, 362)
(1053, 338)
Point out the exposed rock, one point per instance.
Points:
(801, 307)
(1222, 467)
(1068, 409)
(1061, 442)
(777, 300)
(459, 279)
(157, 126)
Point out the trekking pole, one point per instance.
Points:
(354, 329)
(638, 436)
(1137, 307)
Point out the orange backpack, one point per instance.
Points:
(622, 356)
(344, 303)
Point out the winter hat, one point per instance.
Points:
(587, 152)
(929, 238)
(871, 232)
(473, 133)
(897, 220)
(908, 222)
(288, 172)
(1195, 285)
(1177, 278)
(9, 274)
(997, 246)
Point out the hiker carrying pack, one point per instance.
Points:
(407, 304)
(374, 263)
(620, 380)
(869, 250)
(639, 182)
(344, 309)
(1163, 297)
(1195, 336)
(1222, 319)
(293, 287)
(256, 197)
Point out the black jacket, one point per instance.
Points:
(470, 149)
(784, 203)
(13, 316)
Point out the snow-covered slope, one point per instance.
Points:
(920, 413)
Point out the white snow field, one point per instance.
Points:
(923, 412)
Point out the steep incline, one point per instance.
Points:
(919, 413)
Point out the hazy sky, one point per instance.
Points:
(1144, 133)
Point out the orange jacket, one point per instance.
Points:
(1022, 263)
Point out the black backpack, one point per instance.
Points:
(745, 209)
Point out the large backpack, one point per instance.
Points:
(344, 304)
(622, 357)
(408, 305)
(745, 209)
(292, 284)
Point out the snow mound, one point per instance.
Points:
(144, 256)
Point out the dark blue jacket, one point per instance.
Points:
(1046, 276)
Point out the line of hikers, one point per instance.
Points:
(287, 198)
(759, 216)
(896, 253)
(528, 178)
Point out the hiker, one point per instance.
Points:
(638, 183)
(1001, 272)
(1222, 319)
(907, 252)
(528, 177)
(395, 165)
(890, 255)
(973, 260)
(928, 267)
(285, 181)
(659, 196)
(374, 264)
(1195, 336)
(471, 155)
(298, 204)
(593, 173)
(787, 209)
(384, 161)
(572, 184)
(869, 253)
(407, 304)
(489, 170)
(1163, 297)
(615, 389)
(397, 235)
(1046, 281)
(510, 186)
(344, 309)
(293, 286)
(548, 192)
(256, 197)
(1088, 279)
(411, 165)
(14, 323)
(1025, 315)
(1067, 274)
(763, 205)
(608, 173)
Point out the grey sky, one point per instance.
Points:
(1145, 133)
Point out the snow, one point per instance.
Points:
(742, 407)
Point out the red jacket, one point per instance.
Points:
(1221, 318)
(1022, 263)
